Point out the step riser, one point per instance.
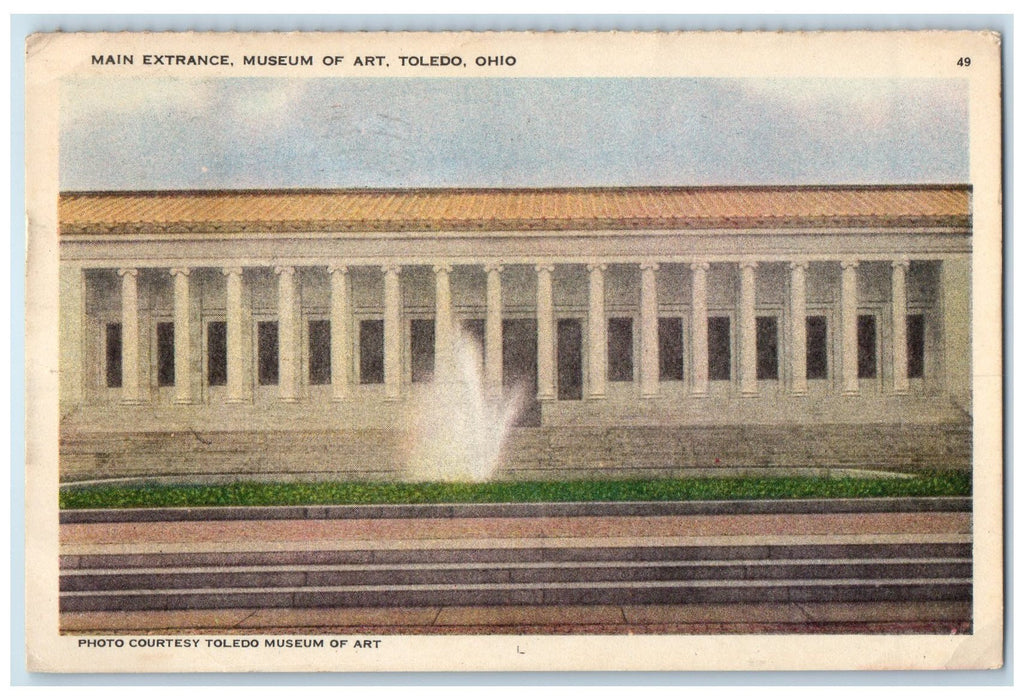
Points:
(605, 596)
(517, 554)
(295, 579)
(523, 510)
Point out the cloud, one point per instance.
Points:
(876, 106)
(266, 132)
(264, 104)
(89, 99)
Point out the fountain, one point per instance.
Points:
(458, 428)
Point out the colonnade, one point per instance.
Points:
(341, 330)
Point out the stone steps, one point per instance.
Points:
(561, 575)
(327, 576)
(555, 452)
(941, 504)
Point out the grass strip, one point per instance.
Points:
(937, 483)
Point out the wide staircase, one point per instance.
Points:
(932, 569)
(550, 452)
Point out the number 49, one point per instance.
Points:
(964, 61)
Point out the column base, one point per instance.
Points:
(339, 399)
(750, 394)
(901, 392)
(236, 401)
(131, 402)
(698, 394)
(290, 399)
(798, 392)
(597, 397)
(648, 394)
(182, 402)
(851, 392)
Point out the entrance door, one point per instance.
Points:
(570, 359)
(519, 366)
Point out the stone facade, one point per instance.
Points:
(647, 331)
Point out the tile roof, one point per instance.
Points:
(241, 211)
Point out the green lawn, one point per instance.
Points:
(694, 489)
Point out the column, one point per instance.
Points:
(545, 334)
(289, 334)
(849, 327)
(699, 327)
(597, 333)
(492, 331)
(236, 336)
(955, 329)
(72, 336)
(748, 328)
(798, 327)
(648, 330)
(341, 332)
(392, 332)
(444, 370)
(900, 382)
(129, 335)
(182, 336)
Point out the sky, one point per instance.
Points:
(124, 134)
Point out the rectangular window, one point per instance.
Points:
(371, 352)
(319, 352)
(421, 341)
(519, 360)
(817, 347)
(620, 349)
(767, 347)
(915, 345)
(113, 353)
(719, 348)
(217, 353)
(165, 354)
(670, 349)
(266, 352)
(570, 359)
(867, 360)
(473, 328)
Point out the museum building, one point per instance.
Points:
(641, 330)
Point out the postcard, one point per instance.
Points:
(514, 351)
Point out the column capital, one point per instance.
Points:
(750, 264)
(229, 271)
(443, 268)
(132, 271)
(183, 271)
(546, 267)
(392, 268)
(649, 265)
(493, 267)
(337, 267)
(901, 262)
(284, 270)
(597, 267)
(849, 264)
(799, 265)
(700, 265)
